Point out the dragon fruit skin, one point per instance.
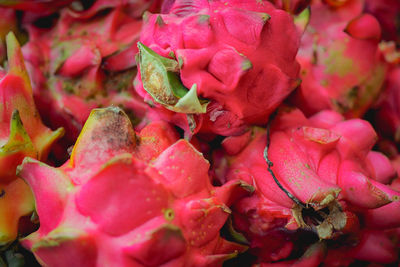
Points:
(388, 115)
(85, 61)
(129, 200)
(22, 134)
(388, 14)
(326, 163)
(341, 64)
(244, 71)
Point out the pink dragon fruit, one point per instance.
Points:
(388, 115)
(129, 200)
(388, 14)
(22, 134)
(85, 61)
(237, 58)
(342, 68)
(319, 175)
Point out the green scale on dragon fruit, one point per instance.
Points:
(219, 66)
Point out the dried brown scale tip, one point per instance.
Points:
(153, 201)
(326, 164)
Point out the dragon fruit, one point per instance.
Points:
(317, 175)
(388, 14)
(85, 61)
(22, 134)
(341, 65)
(129, 200)
(47, 6)
(388, 115)
(237, 58)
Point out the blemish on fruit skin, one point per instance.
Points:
(169, 214)
(324, 83)
(114, 131)
(2, 193)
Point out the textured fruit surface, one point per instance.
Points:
(199, 133)
(230, 62)
(388, 117)
(332, 181)
(21, 134)
(341, 65)
(129, 199)
(84, 61)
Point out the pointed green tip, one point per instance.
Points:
(13, 50)
(249, 188)
(160, 21)
(246, 64)
(265, 17)
(11, 41)
(302, 20)
(18, 139)
(204, 19)
(146, 16)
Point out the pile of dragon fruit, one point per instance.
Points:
(199, 133)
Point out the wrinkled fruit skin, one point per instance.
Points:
(240, 56)
(341, 64)
(129, 199)
(326, 162)
(21, 134)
